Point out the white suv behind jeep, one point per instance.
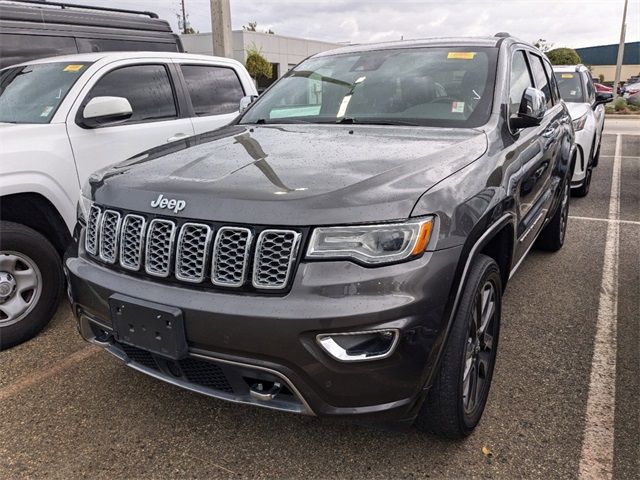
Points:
(586, 107)
(62, 118)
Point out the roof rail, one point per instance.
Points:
(45, 3)
(502, 34)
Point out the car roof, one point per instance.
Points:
(423, 42)
(111, 56)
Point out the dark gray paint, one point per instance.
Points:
(477, 182)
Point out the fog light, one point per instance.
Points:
(360, 346)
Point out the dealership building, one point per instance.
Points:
(602, 60)
(281, 51)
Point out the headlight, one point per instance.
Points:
(372, 244)
(84, 205)
(578, 123)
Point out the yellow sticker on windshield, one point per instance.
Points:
(461, 55)
(73, 68)
(567, 75)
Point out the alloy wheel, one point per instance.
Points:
(479, 354)
(564, 212)
(20, 286)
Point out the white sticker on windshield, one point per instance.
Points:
(457, 107)
(46, 111)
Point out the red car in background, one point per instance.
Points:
(601, 88)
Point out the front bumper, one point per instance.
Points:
(273, 339)
(584, 140)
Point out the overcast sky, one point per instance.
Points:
(574, 23)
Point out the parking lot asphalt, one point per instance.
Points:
(69, 410)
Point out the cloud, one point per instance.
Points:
(574, 23)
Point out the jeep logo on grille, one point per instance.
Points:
(173, 204)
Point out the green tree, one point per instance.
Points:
(256, 64)
(563, 56)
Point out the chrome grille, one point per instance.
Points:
(131, 241)
(275, 254)
(160, 239)
(190, 252)
(193, 244)
(109, 232)
(93, 230)
(230, 256)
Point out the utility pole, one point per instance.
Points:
(221, 28)
(184, 18)
(623, 29)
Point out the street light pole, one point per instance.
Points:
(623, 29)
(221, 28)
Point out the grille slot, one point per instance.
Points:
(206, 374)
(160, 240)
(93, 230)
(276, 252)
(138, 355)
(193, 245)
(230, 256)
(132, 241)
(109, 232)
(190, 252)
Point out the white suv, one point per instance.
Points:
(62, 118)
(586, 107)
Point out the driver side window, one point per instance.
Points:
(519, 82)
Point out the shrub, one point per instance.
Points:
(563, 56)
(256, 64)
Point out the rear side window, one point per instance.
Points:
(520, 81)
(147, 87)
(213, 90)
(555, 92)
(22, 48)
(542, 82)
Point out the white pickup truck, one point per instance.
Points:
(62, 118)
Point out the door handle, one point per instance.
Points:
(549, 132)
(177, 136)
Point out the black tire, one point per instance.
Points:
(583, 190)
(596, 155)
(552, 237)
(446, 411)
(30, 248)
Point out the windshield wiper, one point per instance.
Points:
(351, 120)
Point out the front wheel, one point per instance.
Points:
(459, 394)
(31, 282)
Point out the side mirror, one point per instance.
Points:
(102, 111)
(602, 98)
(533, 106)
(246, 101)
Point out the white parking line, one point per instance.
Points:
(596, 459)
(596, 219)
(635, 157)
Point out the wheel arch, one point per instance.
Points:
(35, 211)
(496, 235)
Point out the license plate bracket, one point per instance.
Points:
(150, 326)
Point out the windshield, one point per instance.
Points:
(32, 93)
(440, 87)
(570, 86)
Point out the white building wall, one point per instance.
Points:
(285, 51)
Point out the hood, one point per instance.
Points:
(576, 110)
(295, 175)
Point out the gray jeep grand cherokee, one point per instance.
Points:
(342, 248)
